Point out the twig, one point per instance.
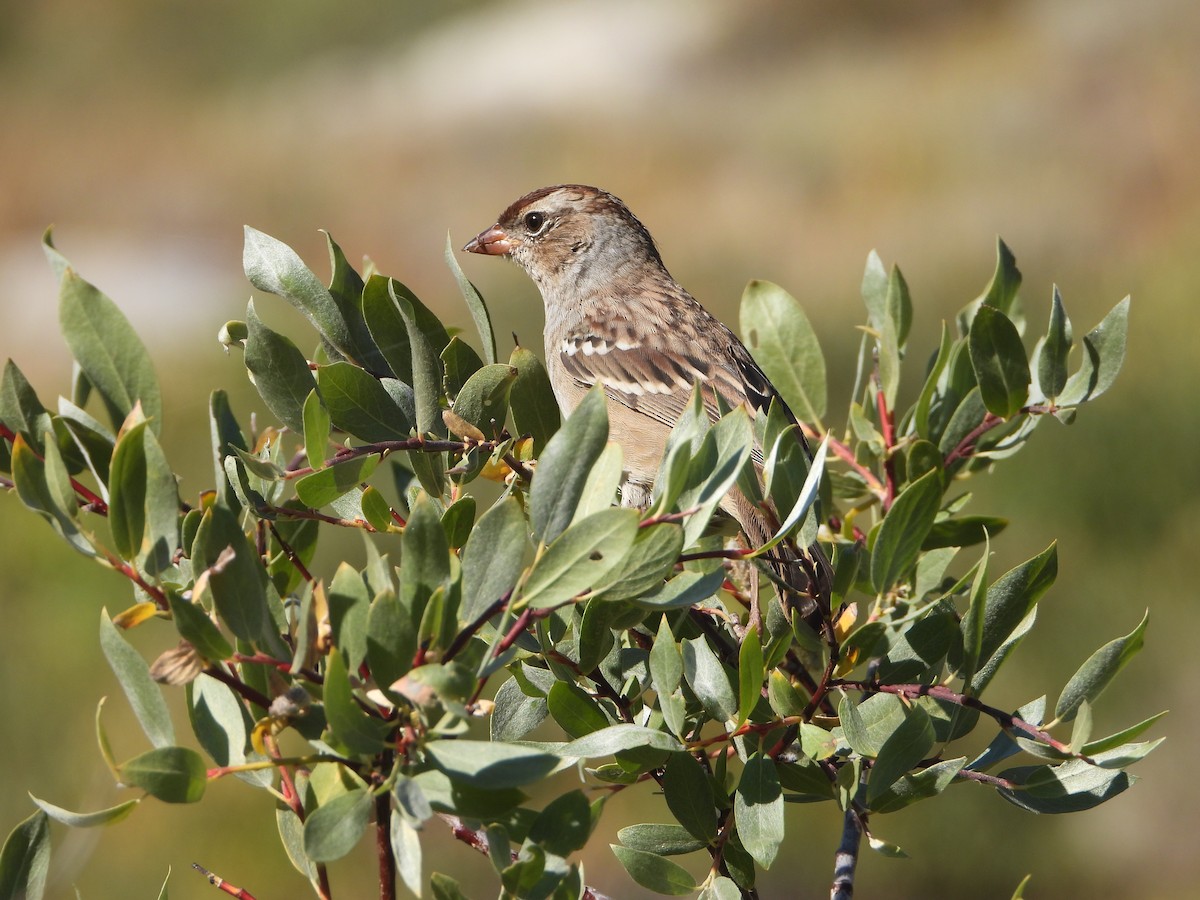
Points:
(461, 639)
(119, 565)
(966, 447)
(1005, 720)
(290, 553)
(290, 513)
(846, 455)
(383, 846)
(889, 441)
(240, 687)
(222, 885)
(846, 859)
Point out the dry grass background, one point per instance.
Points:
(761, 139)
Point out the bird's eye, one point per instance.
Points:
(535, 222)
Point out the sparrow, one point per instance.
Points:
(616, 317)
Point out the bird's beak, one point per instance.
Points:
(493, 242)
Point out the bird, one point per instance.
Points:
(616, 317)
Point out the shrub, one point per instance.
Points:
(523, 597)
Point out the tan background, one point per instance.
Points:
(777, 140)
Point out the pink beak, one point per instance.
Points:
(493, 242)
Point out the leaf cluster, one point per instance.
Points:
(511, 622)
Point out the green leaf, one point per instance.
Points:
(884, 308)
(484, 398)
(351, 725)
(534, 407)
(325, 485)
(386, 328)
(346, 288)
(580, 558)
(426, 557)
(144, 499)
(336, 826)
(661, 840)
(25, 859)
(1073, 786)
(1013, 595)
(758, 810)
(751, 674)
(273, 266)
(108, 351)
(920, 420)
(33, 483)
(170, 774)
(708, 680)
(479, 310)
(1103, 355)
(127, 513)
(903, 531)
(458, 520)
(666, 662)
(805, 499)
(905, 747)
(869, 724)
(919, 785)
(226, 438)
(616, 738)
(493, 558)
(359, 404)
(655, 873)
(445, 888)
(221, 724)
(483, 764)
(348, 608)
(999, 360)
(967, 415)
(782, 341)
(317, 424)
(134, 675)
(720, 888)
(689, 796)
(1054, 350)
(963, 531)
(20, 408)
(652, 558)
(426, 366)
(279, 371)
(973, 623)
(391, 638)
(714, 469)
(85, 820)
(514, 714)
(406, 848)
(574, 711)
(239, 584)
(84, 442)
(563, 468)
(564, 825)
(1001, 292)
(1101, 667)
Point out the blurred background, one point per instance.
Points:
(775, 140)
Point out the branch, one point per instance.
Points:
(222, 885)
(1005, 720)
(889, 441)
(966, 447)
(845, 861)
(383, 847)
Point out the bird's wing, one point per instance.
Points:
(648, 379)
